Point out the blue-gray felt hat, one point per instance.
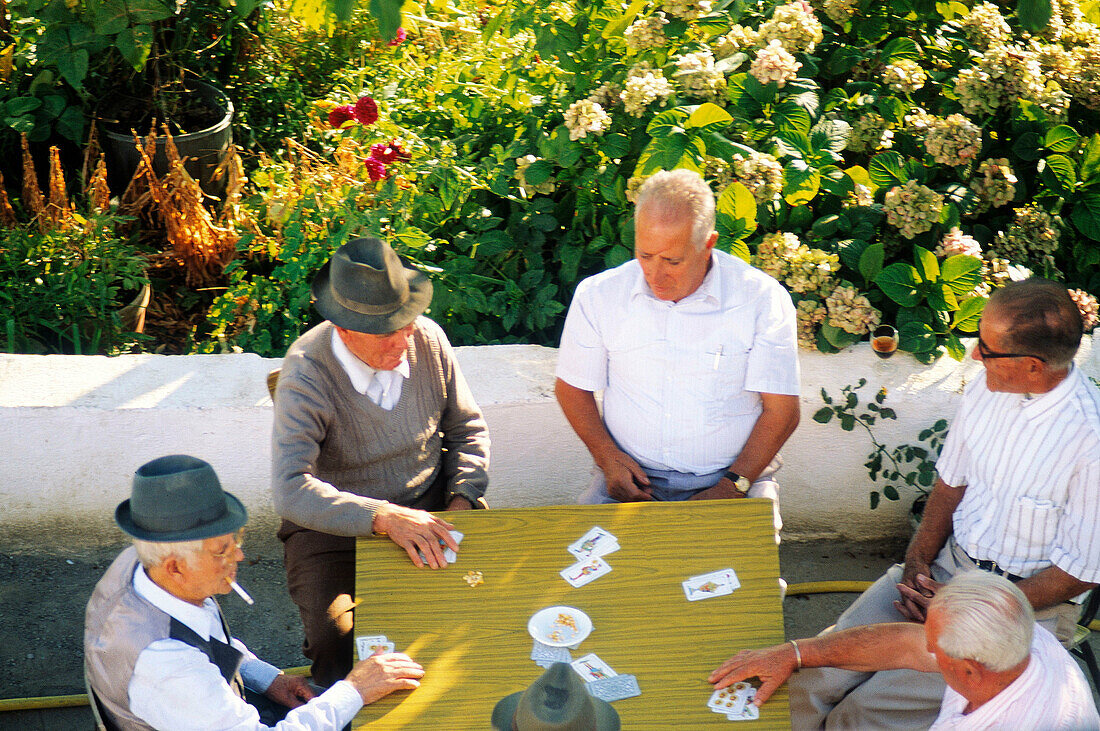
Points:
(368, 288)
(557, 701)
(178, 498)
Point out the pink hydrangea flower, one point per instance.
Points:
(341, 115)
(376, 169)
(399, 151)
(399, 38)
(366, 110)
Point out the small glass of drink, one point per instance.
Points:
(884, 341)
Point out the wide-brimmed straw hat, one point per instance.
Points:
(178, 498)
(368, 288)
(557, 701)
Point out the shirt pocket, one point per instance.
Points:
(1033, 521)
(724, 379)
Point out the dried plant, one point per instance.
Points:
(32, 194)
(58, 211)
(99, 194)
(138, 198)
(7, 213)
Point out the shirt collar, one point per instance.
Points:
(360, 374)
(710, 291)
(1044, 403)
(201, 620)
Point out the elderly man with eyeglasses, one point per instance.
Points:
(1018, 494)
(157, 651)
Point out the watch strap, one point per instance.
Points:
(737, 481)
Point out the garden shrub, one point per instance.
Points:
(886, 161)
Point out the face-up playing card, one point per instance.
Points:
(591, 667)
(596, 542)
(727, 701)
(614, 688)
(748, 713)
(715, 583)
(448, 553)
(545, 655)
(370, 644)
(583, 572)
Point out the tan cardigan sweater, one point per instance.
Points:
(336, 454)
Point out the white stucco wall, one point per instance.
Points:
(74, 428)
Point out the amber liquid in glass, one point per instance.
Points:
(884, 345)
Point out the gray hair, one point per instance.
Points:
(985, 618)
(153, 553)
(675, 195)
(1042, 319)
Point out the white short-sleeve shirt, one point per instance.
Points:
(1050, 694)
(1031, 468)
(681, 381)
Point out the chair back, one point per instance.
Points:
(273, 382)
(102, 720)
(1079, 645)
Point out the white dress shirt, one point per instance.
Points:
(381, 387)
(175, 686)
(1031, 468)
(1050, 694)
(681, 381)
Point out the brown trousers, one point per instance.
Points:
(320, 576)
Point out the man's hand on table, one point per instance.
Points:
(723, 489)
(459, 503)
(415, 530)
(773, 665)
(916, 596)
(626, 481)
(289, 690)
(381, 674)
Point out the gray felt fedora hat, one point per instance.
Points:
(367, 287)
(178, 498)
(557, 701)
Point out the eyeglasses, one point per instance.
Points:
(988, 354)
(238, 541)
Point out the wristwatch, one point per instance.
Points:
(740, 484)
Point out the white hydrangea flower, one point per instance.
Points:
(773, 63)
(840, 11)
(739, 38)
(811, 313)
(994, 182)
(687, 9)
(912, 208)
(584, 116)
(795, 25)
(1002, 75)
(870, 132)
(1087, 304)
(851, 311)
(801, 268)
(699, 77)
(918, 122)
(1031, 237)
(607, 94)
(522, 163)
(644, 86)
(904, 75)
(955, 242)
(953, 141)
(985, 27)
(646, 32)
(761, 173)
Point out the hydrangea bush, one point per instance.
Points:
(887, 162)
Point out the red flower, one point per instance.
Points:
(376, 169)
(399, 151)
(399, 38)
(338, 116)
(383, 153)
(366, 110)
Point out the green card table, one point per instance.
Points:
(473, 641)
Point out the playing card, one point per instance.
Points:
(596, 542)
(748, 713)
(370, 644)
(591, 667)
(448, 553)
(541, 654)
(715, 583)
(727, 701)
(614, 688)
(583, 572)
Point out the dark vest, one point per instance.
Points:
(119, 624)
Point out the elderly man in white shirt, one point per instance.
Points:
(1002, 670)
(158, 653)
(1016, 495)
(695, 352)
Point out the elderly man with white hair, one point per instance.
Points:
(696, 354)
(1002, 669)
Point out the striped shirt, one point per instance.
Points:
(1050, 694)
(1031, 468)
(681, 380)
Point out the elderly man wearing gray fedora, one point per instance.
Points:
(157, 651)
(374, 426)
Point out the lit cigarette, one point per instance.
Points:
(241, 592)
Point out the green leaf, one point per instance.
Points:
(413, 237)
(968, 315)
(615, 146)
(847, 422)
(962, 273)
(887, 169)
(21, 105)
(860, 176)
(838, 338)
(940, 297)
(1034, 15)
(899, 282)
(874, 500)
(1063, 170)
(900, 48)
(73, 67)
(667, 122)
(916, 337)
(952, 9)
(620, 24)
(927, 266)
(135, 44)
(851, 251)
(823, 415)
(1091, 9)
(709, 115)
(1086, 214)
(538, 172)
(830, 134)
(800, 185)
(738, 203)
(112, 16)
(954, 346)
(718, 146)
(1062, 138)
(1090, 160)
(871, 261)
(789, 117)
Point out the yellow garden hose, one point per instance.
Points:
(80, 699)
